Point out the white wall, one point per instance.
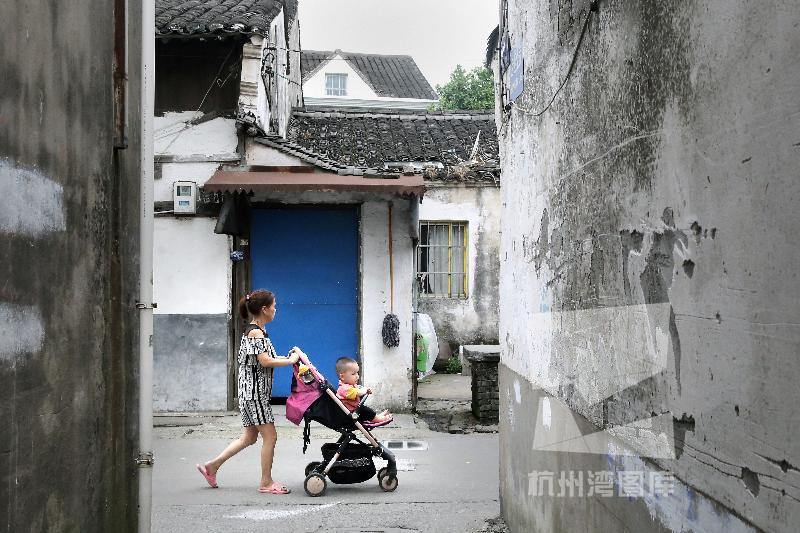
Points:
(259, 155)
(191, 270)
(172, 172)
(386, 370)
(172, 136)
(215, 138)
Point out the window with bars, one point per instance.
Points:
(336, 84)
(442, 259)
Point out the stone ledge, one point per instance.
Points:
(482, 353)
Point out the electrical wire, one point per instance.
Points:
(290, 80)
(592, 8)
(187, 124)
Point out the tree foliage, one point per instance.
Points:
(472, 89)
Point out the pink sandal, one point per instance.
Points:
(210, 479)
(275, 488)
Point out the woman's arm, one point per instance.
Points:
(264, 358)
(273, 362)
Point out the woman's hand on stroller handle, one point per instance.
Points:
(301, 356)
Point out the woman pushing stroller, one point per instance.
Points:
(255, 363)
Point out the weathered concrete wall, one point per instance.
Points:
(471, 320)
(647, 270)
(68, 243)
(190, 360)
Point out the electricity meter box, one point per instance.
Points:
(184, 195)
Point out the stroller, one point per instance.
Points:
(349, 459)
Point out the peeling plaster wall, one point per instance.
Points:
(68, 264)
(647, 260)
(473, 320)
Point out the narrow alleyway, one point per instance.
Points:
(449, 483)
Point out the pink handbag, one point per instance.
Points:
(301, 397)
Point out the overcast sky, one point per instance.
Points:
(438, 34)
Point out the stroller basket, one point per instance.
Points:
(354, 465)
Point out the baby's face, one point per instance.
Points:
(350, 375)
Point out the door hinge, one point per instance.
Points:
(145, 459)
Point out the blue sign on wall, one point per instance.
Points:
(516, 73)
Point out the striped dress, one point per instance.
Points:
(254, 380)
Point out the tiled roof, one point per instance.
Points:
(387, 75)
(201, 17)
(290, 7)
(369, 139)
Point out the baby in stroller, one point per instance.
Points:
(350, 393)
(350, 459)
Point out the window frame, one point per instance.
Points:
(336, 75)
(423, 276)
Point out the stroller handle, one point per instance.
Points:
(306, 361)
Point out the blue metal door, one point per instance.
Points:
(309, 259)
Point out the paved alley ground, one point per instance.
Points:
(449, 484)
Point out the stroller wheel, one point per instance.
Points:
(382, 473)
(388, 483)
(315, 484)
(311, 466)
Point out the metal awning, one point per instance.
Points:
(298, 179)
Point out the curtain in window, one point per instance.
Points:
(457, 261)
(441, 259)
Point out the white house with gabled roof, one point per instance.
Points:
(348, 79)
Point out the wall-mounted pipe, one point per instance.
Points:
(145, 303)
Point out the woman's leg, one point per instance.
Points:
(248, 437)
(268, 437)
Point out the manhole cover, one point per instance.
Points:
(405, 444)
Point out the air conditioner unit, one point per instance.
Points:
(184, 196)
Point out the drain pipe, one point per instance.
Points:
(145, 303)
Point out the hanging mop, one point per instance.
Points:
(391, 324)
